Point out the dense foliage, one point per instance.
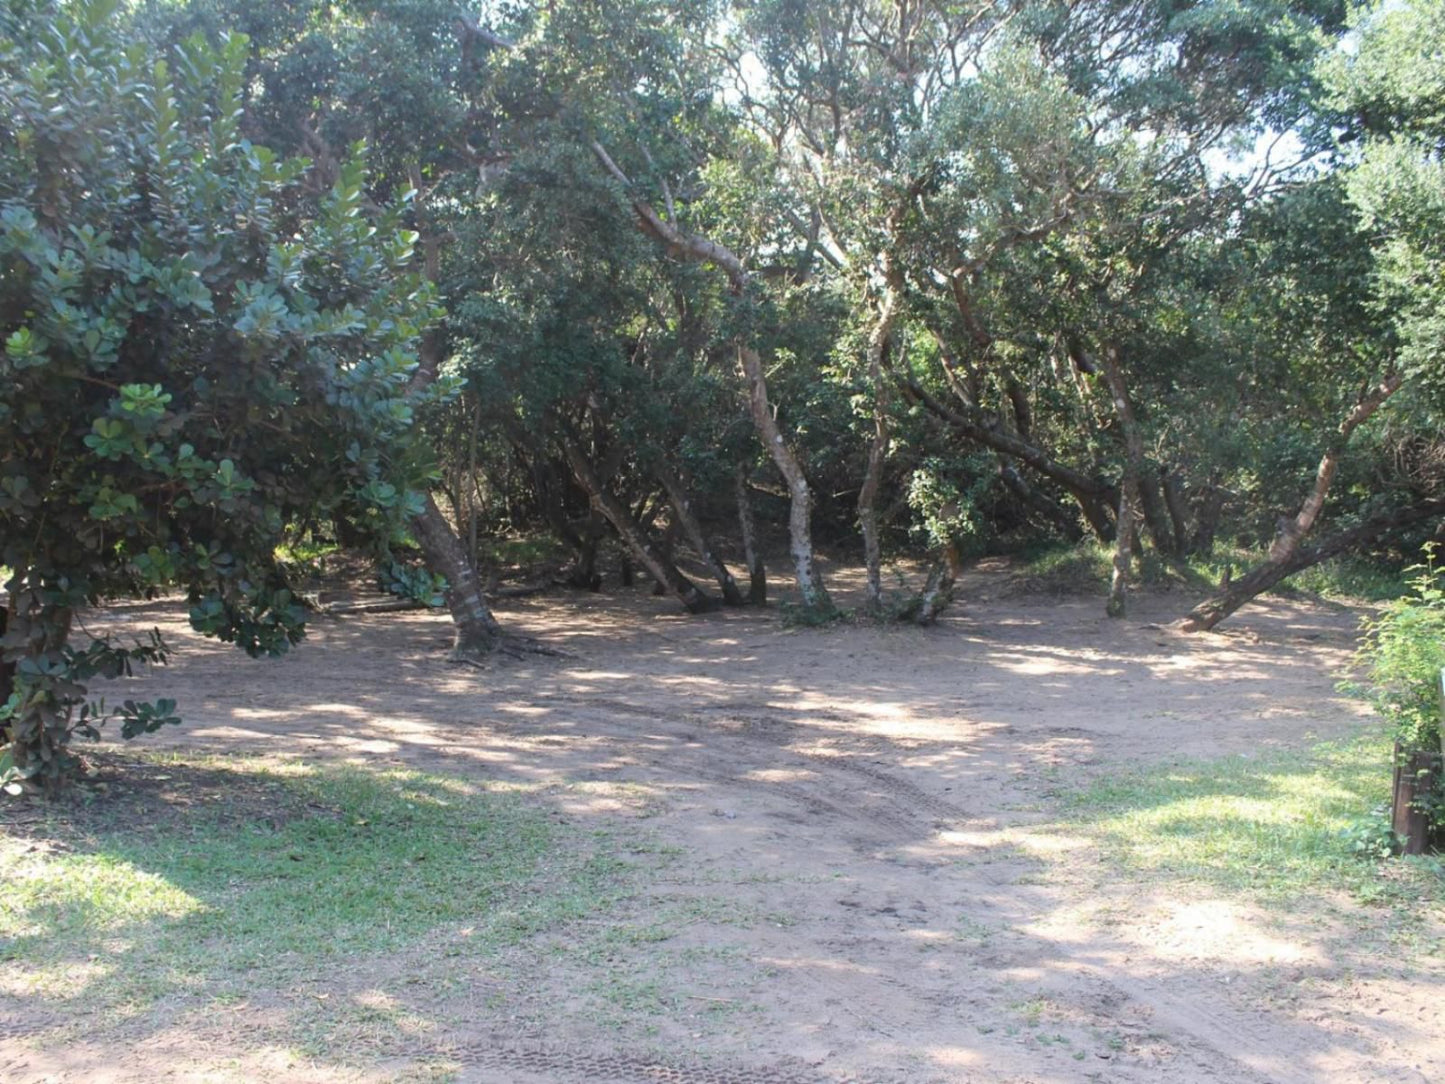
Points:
(199, 351)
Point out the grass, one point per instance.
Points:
(1279, 827)
(208, 877)
(1087, 567)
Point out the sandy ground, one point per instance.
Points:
(858, 824)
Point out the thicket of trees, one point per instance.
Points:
(902, 276)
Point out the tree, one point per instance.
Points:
(1386, 96)
(198, 352)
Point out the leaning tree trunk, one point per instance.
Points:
(757, 571)
(694, 247)
(1285, 552)
(662, 570)
(476, 631)
(1051, 510)
(687, 520)
(1118, 604)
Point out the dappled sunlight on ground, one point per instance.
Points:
(865, 875)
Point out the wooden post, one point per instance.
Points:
(1411, 782)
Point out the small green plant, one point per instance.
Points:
(795, 615)
(1403, 653)
(1371, 838)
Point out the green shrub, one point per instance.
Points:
(1403, 654)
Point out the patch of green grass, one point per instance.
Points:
(1346, 577)
(1278, 827)
(1086, 568)
(306, 551)
(524, 552)
(223, 873)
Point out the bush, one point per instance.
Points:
(1403, 653)
(200, 343)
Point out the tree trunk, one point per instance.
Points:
(1207, 516)
(7, 667)
(474, 512)
(1156, 516)
(1174, 501)
(662, 570)
(800, 497)
(1051, 510)
(682, 508)
(694, 247)
(757, 571)
(1285, 554)
(476, 631)
(878, 346)
(1269, 573)
(937, 593)
(1118, 605)
(584, 573)
(1417, 781)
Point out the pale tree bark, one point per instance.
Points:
(757, 571)
(682, 508)
(648, 554)
(1285, 552)
(1118, 605)
(879, 343)
(693, 247)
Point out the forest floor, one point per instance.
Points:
(853, 853)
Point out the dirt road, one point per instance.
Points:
(863, 878)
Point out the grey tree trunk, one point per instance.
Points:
(1178, 515)
(757, 571)
(476, 632)
(1118, 605)
(800, 497)
(879, 341)
(1156, 516)
(937, 593)
(703, 249)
